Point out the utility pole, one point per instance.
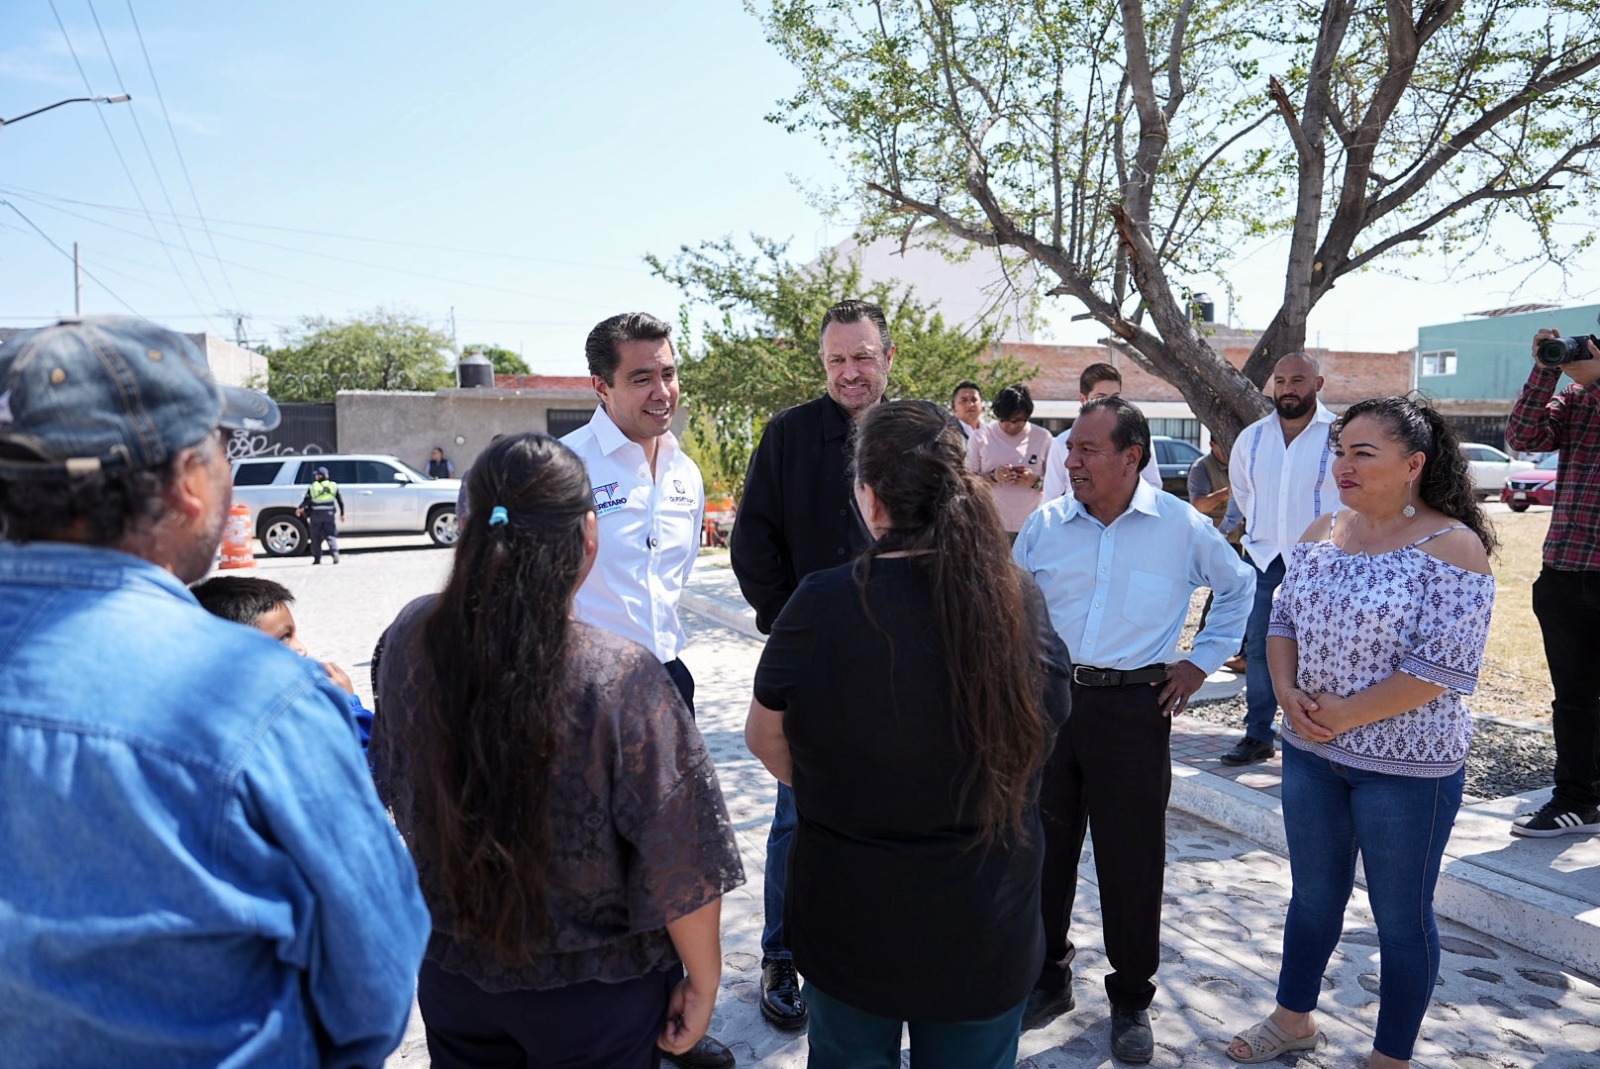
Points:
(453, 343)
(77, 282)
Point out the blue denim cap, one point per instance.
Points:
(110, 393)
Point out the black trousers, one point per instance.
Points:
(1111, 772)
(682, 680)
(323, 530)
(1568, 607)
(581, 1026)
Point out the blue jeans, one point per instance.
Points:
(1399, 825)
(779, 838)
(843, 1037)
(1261, 705)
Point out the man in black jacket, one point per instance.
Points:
(798, 516)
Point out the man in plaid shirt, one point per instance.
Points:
(1566, 596)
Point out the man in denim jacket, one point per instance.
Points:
(196, 868)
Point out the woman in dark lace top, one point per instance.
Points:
(565, 818)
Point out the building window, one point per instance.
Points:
(563, 421)
(1186, 429)
(1438, 362)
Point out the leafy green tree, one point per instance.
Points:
(1126, 146)
(382, 350)
(505, 361)
(762, 357)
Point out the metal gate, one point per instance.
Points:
(1485, 430)
(305, 429)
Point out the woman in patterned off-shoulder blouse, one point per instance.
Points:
(569, 833)
(1376, 637)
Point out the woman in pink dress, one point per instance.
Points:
(1011, 453)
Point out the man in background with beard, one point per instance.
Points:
(1282, 479)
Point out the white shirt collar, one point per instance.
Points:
(610, 437)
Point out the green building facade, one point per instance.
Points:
(1487, 358)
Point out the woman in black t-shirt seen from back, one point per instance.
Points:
(910, 698)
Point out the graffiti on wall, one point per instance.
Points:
(305, 430)
(243, 444)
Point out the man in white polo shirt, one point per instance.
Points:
(1096, 381)
(650, 502)
(1282, 477)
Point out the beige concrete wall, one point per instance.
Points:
(461, 422)
(231, 365)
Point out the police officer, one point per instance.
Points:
(321, 498)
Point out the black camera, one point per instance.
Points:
(1553, 352)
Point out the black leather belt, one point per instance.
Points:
(1085, 675)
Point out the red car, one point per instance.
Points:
(1536, 487)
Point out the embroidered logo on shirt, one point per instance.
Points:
(609, 502)
(680, 495)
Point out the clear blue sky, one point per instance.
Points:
(512, 160)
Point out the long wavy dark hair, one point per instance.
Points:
(1446, 482)
(912, 454)
(496, 641)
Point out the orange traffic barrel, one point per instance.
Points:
(237, 551)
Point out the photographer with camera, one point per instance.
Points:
(1566, 596)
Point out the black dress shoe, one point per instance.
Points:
(781, 1003)
(706, 1054)
(1045, 1006)
(1131, 1039)
(1248, 751)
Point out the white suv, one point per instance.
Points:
(381, 495)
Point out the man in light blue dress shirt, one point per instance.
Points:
(1118, 561)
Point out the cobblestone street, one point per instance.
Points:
(1496, 1007)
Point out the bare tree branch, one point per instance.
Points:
(1420, 229)
(1489, 120)
(1199, 173)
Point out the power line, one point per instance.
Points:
(182, 163)
(120, 159)
(69, 256)
(161, 183)
(357, 263)
(161, 241)
(33, 193)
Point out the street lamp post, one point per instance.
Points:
(77, 266)
(121, 98)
